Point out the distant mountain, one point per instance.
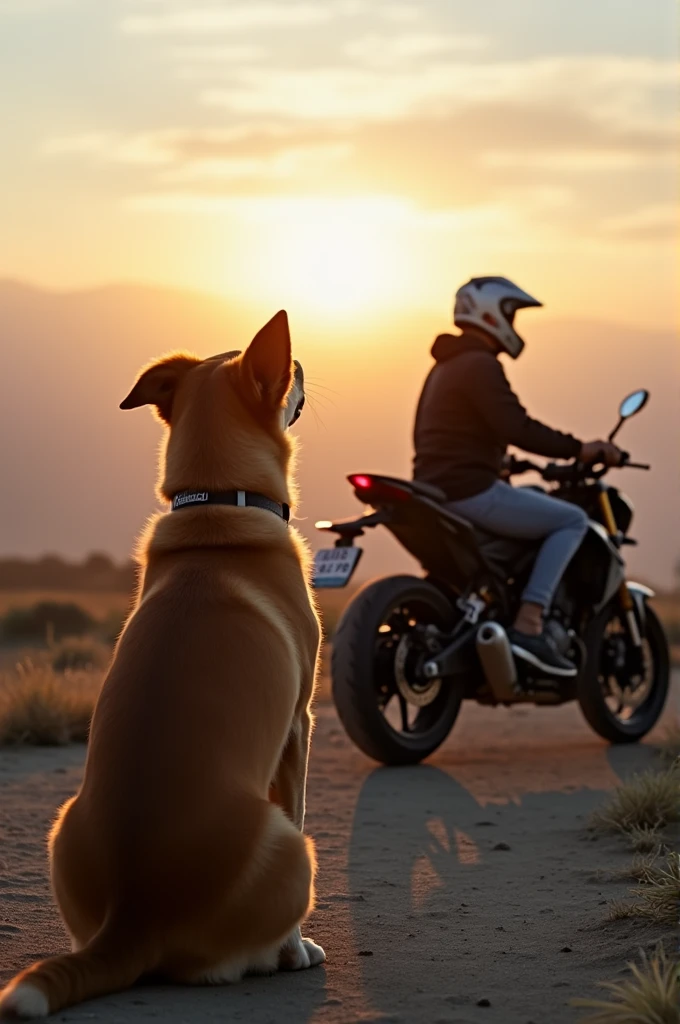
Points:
(78, 474)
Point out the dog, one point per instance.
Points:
(183, 855)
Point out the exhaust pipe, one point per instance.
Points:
(493, 648)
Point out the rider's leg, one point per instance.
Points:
(556, 552)
(531, 515)
(529, 618)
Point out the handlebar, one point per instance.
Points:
(574, 471)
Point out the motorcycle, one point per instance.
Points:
(408, 650)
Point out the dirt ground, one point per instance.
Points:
(465, 882)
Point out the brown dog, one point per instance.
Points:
(172, 859)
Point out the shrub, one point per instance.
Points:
(644, 804)
(41, 708)
(650, 996)
(79, 654)
(48, 620)
(660, 895)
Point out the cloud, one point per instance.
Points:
(475, 154)
(31, 6)
(402, 13)
(257, 14)
(295, 164)
(657, 223)
(148, 149)
(220, 55)
(609, 84)
(383, 51)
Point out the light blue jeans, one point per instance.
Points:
(529, 515)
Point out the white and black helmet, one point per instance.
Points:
(490, 304)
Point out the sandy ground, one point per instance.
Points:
(443, 888)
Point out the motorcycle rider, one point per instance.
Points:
(466, 417)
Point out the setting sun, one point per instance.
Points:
(339, 256)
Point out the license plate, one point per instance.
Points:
(333, 567)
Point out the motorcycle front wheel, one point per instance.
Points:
(622, 706)
(388, 710)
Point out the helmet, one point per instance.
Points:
(489, 304)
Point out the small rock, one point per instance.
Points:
(483, 1002)
(483, 824)
(502, 846)
(365, 952)
(566, 949)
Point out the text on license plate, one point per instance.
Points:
(333, 567)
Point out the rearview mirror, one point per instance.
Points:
(633, 403)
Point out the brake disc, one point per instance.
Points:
(419, 695)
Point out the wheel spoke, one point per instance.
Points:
(403, 707)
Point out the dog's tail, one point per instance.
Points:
(110, 962)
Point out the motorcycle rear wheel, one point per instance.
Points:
(382, 626)
(600, 691)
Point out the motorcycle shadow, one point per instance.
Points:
(433, 873)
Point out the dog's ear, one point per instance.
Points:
(268, 361)
(157, 385)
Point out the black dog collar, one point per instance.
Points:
(241, 499)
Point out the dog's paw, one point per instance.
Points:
(298, 954)
(315, 953)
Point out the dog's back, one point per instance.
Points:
(172, 858)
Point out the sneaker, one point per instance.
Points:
(540, 652)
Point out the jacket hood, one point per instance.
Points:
(448, 346)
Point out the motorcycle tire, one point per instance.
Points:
(353, 671)
(590, 692)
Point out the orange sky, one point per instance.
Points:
(351, 161)
(344, 157)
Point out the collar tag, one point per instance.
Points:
(240, 499)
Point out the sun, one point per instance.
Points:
(336, 256)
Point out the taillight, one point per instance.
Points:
(361, 483)
(371, 488)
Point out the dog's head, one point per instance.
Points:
(227, 415)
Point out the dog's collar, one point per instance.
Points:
(241, 499)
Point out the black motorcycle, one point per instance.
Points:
(408, 650)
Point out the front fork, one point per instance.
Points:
(627, 603)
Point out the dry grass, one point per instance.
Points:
(637, 871)
(77, 654)
(98, 604)
(650, 996)
(658, 898)
(642, 806)
(40, 707)
(644, 839)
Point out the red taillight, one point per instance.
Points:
(361, 483)
(375, 489)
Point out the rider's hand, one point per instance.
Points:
(600, 451)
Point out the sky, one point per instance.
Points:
(351, 161)
(345, 157)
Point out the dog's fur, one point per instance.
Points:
(182, 855)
